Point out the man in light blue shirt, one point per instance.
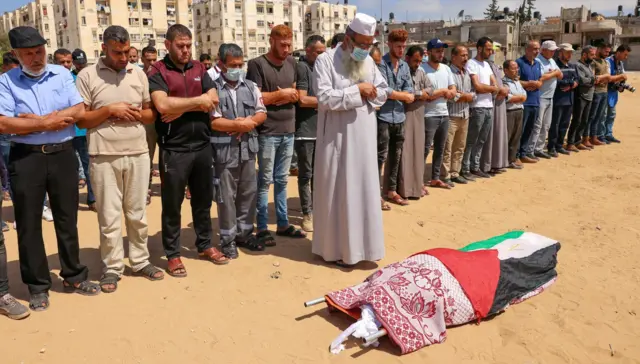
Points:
(550, 75)
(39, 103)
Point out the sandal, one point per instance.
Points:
(39, 302)
(174, 265)
(385, 205)
(292, 232)
(253, 244)
(85, 288)
(215, 256)
(398, 200)
(109, 279)
(436, 183)
(82, 184)
(266, 238)
(149, 272)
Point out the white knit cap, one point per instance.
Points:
(363, 24)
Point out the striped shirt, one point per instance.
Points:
(463, 85)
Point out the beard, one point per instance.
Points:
(355, 70)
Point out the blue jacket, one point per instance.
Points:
(569, 77)
(393, 110)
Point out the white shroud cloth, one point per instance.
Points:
(347, 218)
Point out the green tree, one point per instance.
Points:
(530, 8)
(492, 10)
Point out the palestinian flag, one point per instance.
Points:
(417, 298)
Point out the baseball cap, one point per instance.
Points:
(566, 47)
(436, 43)
(78, 56)
(549, 45)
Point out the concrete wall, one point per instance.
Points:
(633, 63)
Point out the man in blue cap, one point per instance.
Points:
(39, 103)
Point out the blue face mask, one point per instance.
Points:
(233, 74)
(425, 59)
(359, 54)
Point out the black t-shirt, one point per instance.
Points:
(306, 117)
(268, 77)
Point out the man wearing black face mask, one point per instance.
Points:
(584, 96)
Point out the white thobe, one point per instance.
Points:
(347, 219)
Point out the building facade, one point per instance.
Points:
(327, 19)
(35, 14)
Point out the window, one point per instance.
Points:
(286, 11)
(261, 37)
(103, 21)
(447, 32)
(44, 10)
(96, 54)
(147, 6)
(135, 37)
(67, 39)
(574, 28)
(238, 23)
(161, 35)
(262, 50)
(46, 27)
(100, 37)
(84, 20)
(226, 22)
(134, 22)
(48, 42)
(198, 12)
(252, 37)
(335, 14)
(209, 51)
(147, 22)
(567, 27)
(261, 23)
(95, 35)
(208, 37)
(318, 26)
(336, 26)
(269, 9)
(239, 36)
(148, 36)
(81, 4)
(238, 8)
(132, 4)
(510, 29)
(260, 9)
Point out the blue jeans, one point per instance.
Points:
(610, 118)
(274, 160)
(5, 148)
(529, 117)
(597, 115)
(80, 145)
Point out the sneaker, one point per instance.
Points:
(459, 180)
(533, 156)
(307, 223)
(542, 155)
(604, 140)
(5, 227)
(469, 177)
(563, 151)
(612, 139)
(12, 308)
(481, 174)
(46, 214)
(553, 153)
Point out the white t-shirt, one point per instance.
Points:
(440, 78)
(484, 72)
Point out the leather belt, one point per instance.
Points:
(44, 148)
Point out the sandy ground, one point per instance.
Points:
(239, 314)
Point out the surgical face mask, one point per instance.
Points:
(492, 58)
(359, 54)
(28, 72)
(425, 59)
(233, 74)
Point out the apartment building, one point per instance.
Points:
(249, 22)
(81, 23)
(35, 14)
(327, 19)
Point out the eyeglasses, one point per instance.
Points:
(361, 45)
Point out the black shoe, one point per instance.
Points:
(513, 165)
(533, 156)
(542, 155)
(604, 140)
(613, 139)
(553, 153)
(448, 182)
(230, 250)
(481, 174)
(469, 177)
(564, 151)
(460, 180)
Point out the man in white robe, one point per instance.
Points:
(346, 199)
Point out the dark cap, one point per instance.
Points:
(25, 37)
(436, 43)
(78, 56)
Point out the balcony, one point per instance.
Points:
(599, 26)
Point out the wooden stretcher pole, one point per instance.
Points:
(369, 339)
(315, 302)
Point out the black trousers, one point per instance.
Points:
(560, 120)
(177, 170)
(34, 174)
(580, 121)
(305, 149)
(4, 274)
(390, 142)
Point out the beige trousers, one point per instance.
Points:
(454, 148)
(120, 184)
